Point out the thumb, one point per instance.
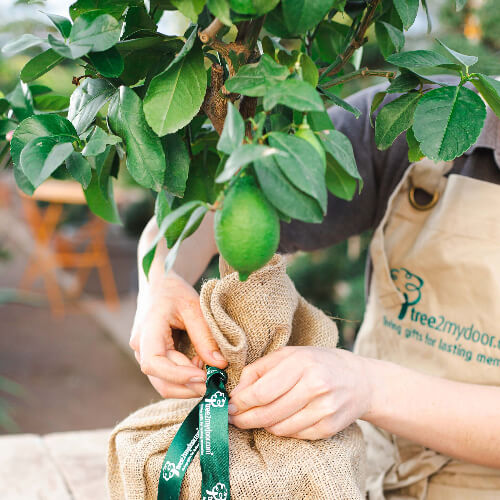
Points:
(201, 337)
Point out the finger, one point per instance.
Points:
(280, 409)
(177, 391)
(197, 361)
(323, 429)
(251, 373)
(201, 336)
(303, 419)
(272, 385)
(174, 367)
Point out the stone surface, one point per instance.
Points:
(59, 466)
(81, 459)
(28, 472)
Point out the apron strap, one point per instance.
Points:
(424, 174)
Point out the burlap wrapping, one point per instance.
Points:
(248, 320)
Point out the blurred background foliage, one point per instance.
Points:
(333, 278)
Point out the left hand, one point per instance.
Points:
(302, 392)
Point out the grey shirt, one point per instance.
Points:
(381, 171)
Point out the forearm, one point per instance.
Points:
(194, 254)
(457, 419)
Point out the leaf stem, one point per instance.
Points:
(357, 40)
(360, 73)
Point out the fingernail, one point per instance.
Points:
(217, 356)
(197, 379)
(232, 409)
(230, 419)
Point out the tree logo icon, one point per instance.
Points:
(169, 470)
(410, 285)
(218, 399)
(218, 492)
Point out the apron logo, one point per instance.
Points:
(218, 492)
(218, 399)
(169, 470)
(409, 284)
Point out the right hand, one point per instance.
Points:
(164, 303)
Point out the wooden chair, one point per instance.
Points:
(85, 250)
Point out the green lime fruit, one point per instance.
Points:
(304, 132)
(247, 227)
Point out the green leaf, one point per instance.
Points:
(448, 121)
(190, 8)
(177, 161)
(38, 126)
(108, 63)
(98, 142)
(194, 221)
(389, 38)
(62, 24)
(376, 102)
(42, 155)
(79, 168)
(283, 195)
(101, 30)
(114, 8)
(40, 64)
(233, 131)
(51, 102)
(256, 79)
(102, 204)
(405, 82)
(310, 73)
(427, 15)
(339, 146)
(37, 89)
(407, 11)
(319, 120)
(489, 88)
(175, 96)
(22, 43)
(243, 155)
(394, 118)
(22, 181)
(338, 181)
(6, 126)
(414, 151)
(147, 260)
(301, 15)
(417, 59)
(467, 61)
(21, 101)
(340, 102)
(92, 31)
(221, 10)
(86, 101)
(145, 156)
(302, 166)
(295, 94)
(329, 40)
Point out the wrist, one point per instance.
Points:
(382, 377)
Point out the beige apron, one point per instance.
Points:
(433, 307)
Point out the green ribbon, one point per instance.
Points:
(204, 429)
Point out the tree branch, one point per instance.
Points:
(360, 73)
(356, 42)
(210, 32)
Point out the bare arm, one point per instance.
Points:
(457, 419)
(168, 301)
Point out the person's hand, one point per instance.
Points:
(302, 392)
(168, 302)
